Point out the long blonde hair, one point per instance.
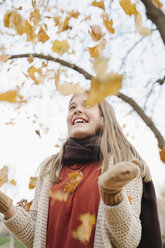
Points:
(113, 143)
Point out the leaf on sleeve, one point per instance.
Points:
(84, 230)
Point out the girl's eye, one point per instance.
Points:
(72, 107)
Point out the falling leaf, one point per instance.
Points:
(108, 23)
(14, 19)
(34, 3)
(145, 31)
(57, 20)
(73, 13)
(64, 25)
(60, 47)
(157, 3)
(74, 180)
(42, 36)
(11, 96)
(86, 18)
(38, 133)
(3, 175)
(28, 29)
(162, 154)
(13, 182)
(11, 122)
(67, 88)
(84, 230)
(58, 196)
(33, 71)
(30, 58)
(130, 200)
(35, 17)
(25, 204)
(32, 182)
(4, 58)
(96, 32)
(128, 7)
(100, 88)
(100, 66)
(98, 49)
(99, 4)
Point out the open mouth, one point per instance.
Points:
(79, 120)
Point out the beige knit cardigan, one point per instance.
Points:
(116, 227)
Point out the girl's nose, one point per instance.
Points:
(78, 110)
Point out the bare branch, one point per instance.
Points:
(156, 16)
(130, 101)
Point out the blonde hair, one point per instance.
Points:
(113, 143)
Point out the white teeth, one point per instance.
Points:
(79, 120)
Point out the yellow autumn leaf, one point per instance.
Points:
(32, 73)
(24, 204)
(14, 19)
(130, 200)
(96, 32)
(57, 20)
(138, 22)
(157, 3)
(98, 49)
(73, 13)
(108, 23)
(100, 88)
(3, 175)
(30, 58)
(60, 47)
(35, 17)
(128, 7)
(28, 29)
(64, 25)
(100, 66)
(145, 31)
(67, 88)
(4, 58)
(13, 182)
(99, 4)
(162, 154)
(11, 96)
(32, 182)
(58, 195)
(84, 230)
(42, 36)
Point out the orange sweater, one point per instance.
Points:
(79, 182)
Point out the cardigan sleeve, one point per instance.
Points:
(23, 222)
(122, 225)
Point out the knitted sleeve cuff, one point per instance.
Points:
(22, 226)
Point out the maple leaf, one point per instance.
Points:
(96, 32)
(157, 3)
(32, 182)
(60, 47)
(74, 180)
(3, 175)
(30, 58)
(4, 58)
(42, 36)
(64, 25)
(14, 19)
(108, 23)
(32, 73)
(11, 96)
(100, 88)
(67, 88)
(13, 182)
(162, 154)
(25, 204)
(99, 4)
(73, 13)
(84, 230)
(128, 7)
(35, 17)
(98, 49)
(28, 29)
(58, 196)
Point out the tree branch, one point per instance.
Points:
(156, 16)
(130, 101)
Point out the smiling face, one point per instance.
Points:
(82, 121)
